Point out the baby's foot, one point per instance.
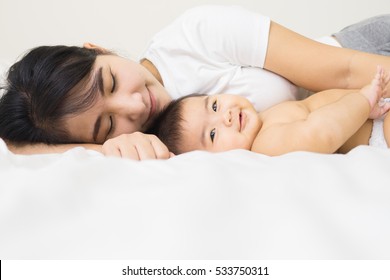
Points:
(375, 91)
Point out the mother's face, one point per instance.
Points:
(127, 99)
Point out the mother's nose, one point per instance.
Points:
(131, 106)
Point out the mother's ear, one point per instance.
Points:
(95, 47)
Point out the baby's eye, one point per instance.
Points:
(214, 106)
(212, 134)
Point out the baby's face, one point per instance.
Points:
(218, 123)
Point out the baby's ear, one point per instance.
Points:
(95, 47)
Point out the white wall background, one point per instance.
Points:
(126, 26)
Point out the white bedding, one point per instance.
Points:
(233, 205)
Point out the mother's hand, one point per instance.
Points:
(137, 146)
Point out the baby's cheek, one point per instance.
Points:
(241, 143)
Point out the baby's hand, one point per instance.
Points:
(375, 93)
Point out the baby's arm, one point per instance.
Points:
(325, 123)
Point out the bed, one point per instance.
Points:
(232, 205)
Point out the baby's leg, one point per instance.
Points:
(386, 129)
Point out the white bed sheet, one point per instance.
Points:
(233, 205)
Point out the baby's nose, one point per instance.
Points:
(227, 118)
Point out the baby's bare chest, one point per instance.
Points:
(286, 112)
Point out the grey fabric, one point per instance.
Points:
(370, 35)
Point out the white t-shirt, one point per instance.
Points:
(218, 49)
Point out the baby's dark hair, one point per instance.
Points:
(43, 87)
(168, 126)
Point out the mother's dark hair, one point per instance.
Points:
(46, 85)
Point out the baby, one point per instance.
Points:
(326, 122)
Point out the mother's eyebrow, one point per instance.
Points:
(99, 81)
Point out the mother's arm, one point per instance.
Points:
(316, 66)
(40, 148)
(137, 146)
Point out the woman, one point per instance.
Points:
(88, 95)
